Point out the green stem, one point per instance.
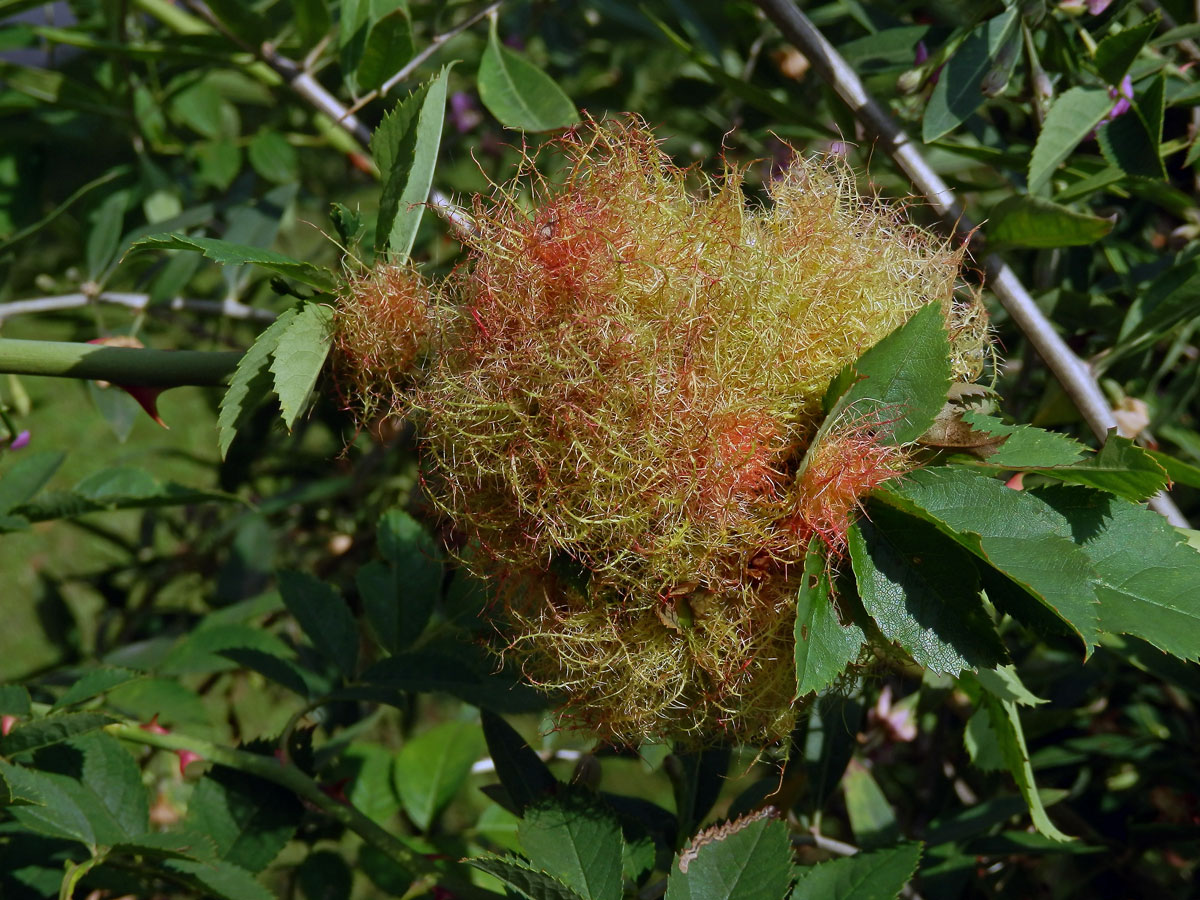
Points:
(290, 777)
(120, 365)
(76, 871)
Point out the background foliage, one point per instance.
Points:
(278, 589)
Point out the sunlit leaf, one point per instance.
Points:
(299, 357)
(520, 94)
(958, 92)
(1074, 114)
(824, 646)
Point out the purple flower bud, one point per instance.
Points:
(463, 112)
(1123, 95)
(21, 440)
(922, 54)
(1095, 7)
(839, 148)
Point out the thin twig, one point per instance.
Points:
(304, 84)
(1072, 373)
(828, 844)
(231, 308)
(487, 764)
(435, 44)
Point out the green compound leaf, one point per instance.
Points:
(28, 475)
(1177, 470)
(399, 595)
(50, 808)
(959, 91)
(222, 879)
(1003, 682)
(459, 670)
(1025, 446)
(248, 820)
(879, 875)
(94, 683)
(697, 783)
(111, 776)
(282, 671)
(299, 357)
(52, 729)
(1116, 53)
(14, 700)
(100, 799)
(405, 147)
(523, 879)
(241, 19)
(1016, 533)
(273, 158)
(121, 487)
(228, 253)
(432, 768)
(1168, 300)
(1006, 726)
(166, 845)
(576, 840)
(903, 379)
(521, 771)
(324, 617)
(923, 592)
(872, 818)
(1120, 467)
(1070, 119)
(983, 744)
(1127, 143)
(824, 646)
(388, 46)
(1146, 573)
(371, 789)
(312, 20)
(1024, 221)
(251, 384)
(202, 650)
(747, 859)
(520, 94)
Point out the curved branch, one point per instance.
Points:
(125, 366)
(230, 308)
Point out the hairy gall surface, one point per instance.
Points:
(626, 379)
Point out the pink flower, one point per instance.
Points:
(897, 725)
(1077, 7)
(1123, 94)
(21, 440)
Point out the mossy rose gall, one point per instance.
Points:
(625, 381)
